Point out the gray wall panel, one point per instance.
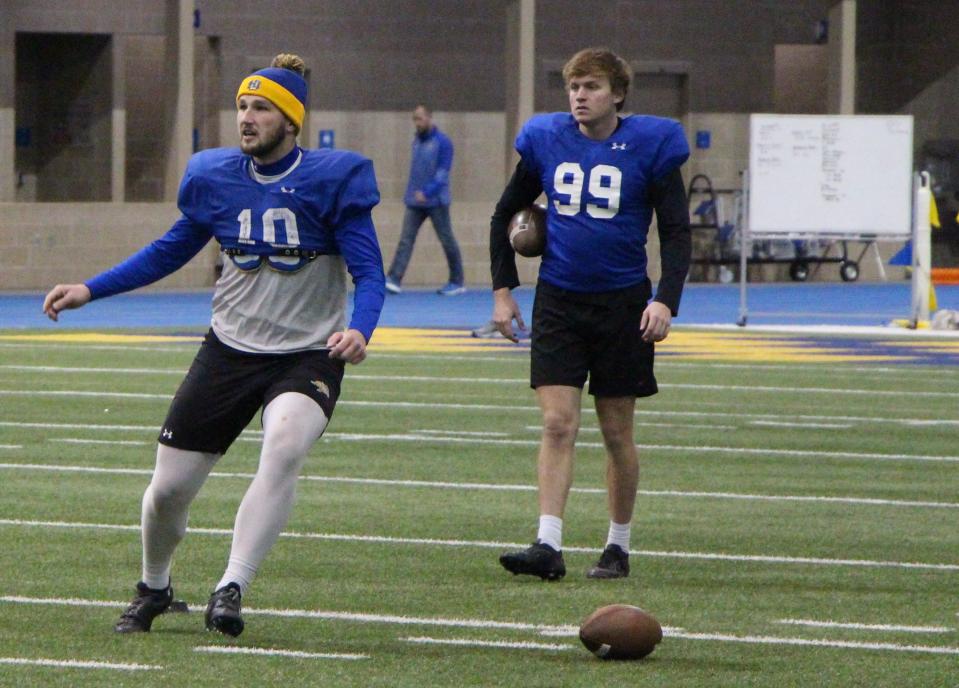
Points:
(903, 46)
(728, 45)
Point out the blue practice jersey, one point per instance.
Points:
(598, 212)
(300, 211)
(319, 206)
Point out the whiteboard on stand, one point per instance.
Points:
(840, 176)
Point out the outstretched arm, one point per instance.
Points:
(153, 262)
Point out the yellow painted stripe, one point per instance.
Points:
(99, 338)
(682, 345)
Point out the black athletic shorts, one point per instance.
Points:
(224, 389)
(580, 334)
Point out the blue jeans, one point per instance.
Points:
(412, 221)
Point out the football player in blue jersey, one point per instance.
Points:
(291, 223)
(603, 175)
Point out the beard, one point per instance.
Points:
(265, 144)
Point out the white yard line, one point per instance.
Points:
(665, 412)
(490, 544)
(811, 642)
(893, 628)
(82, 440)
(187, 346)
(80, 393)
(273, 652)
(77, 664)
(516, 408)
(95, 427)
(465, 433)
(798, 391)
(438, 379)
(95, 369)
(358, 617)
(842, 370)
(845, 369)
(654, 424)
(499, 644)
(716, 637)
(505, 625)
(814, 426)
(504, 487)
(692, 449)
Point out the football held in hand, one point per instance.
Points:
(527, 231)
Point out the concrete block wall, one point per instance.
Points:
(428, 266)
(45, 243)
(385, 137)
(426, 50)
(42, 243)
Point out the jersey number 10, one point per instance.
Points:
(270, 216)
(605, 182)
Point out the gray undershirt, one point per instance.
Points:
(270, 311)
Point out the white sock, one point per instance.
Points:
(178, 476)
(551, 531)
(291, 424)
(619, 535)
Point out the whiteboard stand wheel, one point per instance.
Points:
(849, 270)
(799, 270)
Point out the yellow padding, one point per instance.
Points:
(288, 103)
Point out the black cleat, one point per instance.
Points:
(613, 563)
(145, 607)
(178, 607)
(539, 559)
(223, 611)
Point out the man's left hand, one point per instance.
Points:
(349, 346)
(655, 322)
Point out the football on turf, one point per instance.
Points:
(527, 231)
(620, 631)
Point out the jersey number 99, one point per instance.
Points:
(605, 183)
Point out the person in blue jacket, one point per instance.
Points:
(290, 222)
(595, 316)
(428, 195)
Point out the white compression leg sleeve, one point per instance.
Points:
(178, 476)
(291, 424)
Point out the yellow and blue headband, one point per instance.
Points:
(283, 87)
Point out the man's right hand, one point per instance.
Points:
(505, 311)
(63, 297)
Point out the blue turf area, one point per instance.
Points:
(836, 304)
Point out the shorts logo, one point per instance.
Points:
(253, 85)
(321, 387)
(167, 434)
